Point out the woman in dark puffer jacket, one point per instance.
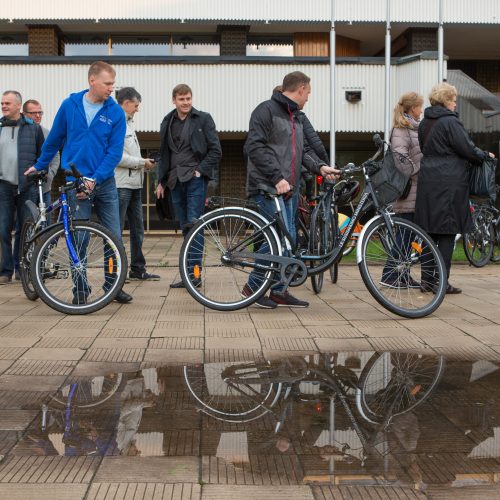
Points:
(442, 206)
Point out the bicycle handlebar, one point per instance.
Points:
(351, 167)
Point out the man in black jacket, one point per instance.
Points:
(190, 153)
(20, 145)
(276, 149)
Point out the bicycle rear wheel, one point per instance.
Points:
(91, 284)
(479, 243)
(218, 255)
(235, 402)
(25, 256)
(496, 247)
(394, 383)
(412, 287)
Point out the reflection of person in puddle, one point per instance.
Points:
(403, 436)
(134, 399)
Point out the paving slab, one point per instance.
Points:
(148, 469)
(219, 492)
(53, 354)
(43, 491)
(16, 420)
(144, 491)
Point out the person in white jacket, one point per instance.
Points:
(129, 176)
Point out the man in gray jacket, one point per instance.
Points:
(20, 144)
(129, 176)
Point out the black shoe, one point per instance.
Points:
(264, 302)
(450, 289)
(287, 300)
(123, 297)
(144, 276)
(180, 284)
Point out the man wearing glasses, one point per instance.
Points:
(33, 109)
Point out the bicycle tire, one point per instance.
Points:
(85, 398)
(334, 273)
(409, 382)
(380, 255)
(224, 402)
(478, 244)
(321, 240)
(495, 257)
(25, 256)
(209, 274)
(52, 269)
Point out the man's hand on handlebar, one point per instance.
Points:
(329, 173)
(30, 170)
(282, 187)
(89, 185)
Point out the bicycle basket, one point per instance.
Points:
(388, 181)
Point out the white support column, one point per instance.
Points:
(332, 84)
(440, 44)
(387, 103)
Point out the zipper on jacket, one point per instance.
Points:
(294, 154)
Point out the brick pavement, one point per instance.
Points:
(40, 348)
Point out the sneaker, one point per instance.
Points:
(144, 276)
(5, 280)
(264, 302)
(287, 300)
(180, 284)
(123, 297)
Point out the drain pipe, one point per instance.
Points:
(387, 120)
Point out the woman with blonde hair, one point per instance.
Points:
(404, 140)
(442, 205)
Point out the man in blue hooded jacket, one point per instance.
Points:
(90, 126)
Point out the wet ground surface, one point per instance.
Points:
(101, 406)
(409, 426)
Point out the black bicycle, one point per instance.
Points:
(482, 244)
(399, 263)
(74, 266)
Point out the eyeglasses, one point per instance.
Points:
(39, 113)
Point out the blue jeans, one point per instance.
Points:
(12, 208)
(131, 207)
(188, 199)
(104, 199)
(267, 208)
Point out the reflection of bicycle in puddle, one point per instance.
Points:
(374, 397)
(68, 423)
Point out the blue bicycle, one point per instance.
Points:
(74, 266)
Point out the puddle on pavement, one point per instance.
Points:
(346, 418)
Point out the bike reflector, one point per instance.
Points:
(110, 265)
(196, 271)
(319, 180)
(416, 390)
(416, 247)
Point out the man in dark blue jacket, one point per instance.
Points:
(190, 153)
(20, 144)
(91, 126)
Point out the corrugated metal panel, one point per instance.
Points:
(426, 11)
(230, 91)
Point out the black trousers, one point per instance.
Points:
(446, 244)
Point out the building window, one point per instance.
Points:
(270, 46)
(14, 49)
(99, 48)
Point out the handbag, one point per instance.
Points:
(482, 179)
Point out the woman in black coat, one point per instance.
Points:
(442, 205)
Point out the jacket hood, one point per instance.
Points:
(284, 101)
(436, 112)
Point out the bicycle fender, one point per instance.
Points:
(370, 223)
(251, 212)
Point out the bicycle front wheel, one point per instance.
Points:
(394, 383)
(219, 259)
(478, 244)
(402, 268)
(25, 256)
(321, 241)
(84, 285)
(231, 402)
